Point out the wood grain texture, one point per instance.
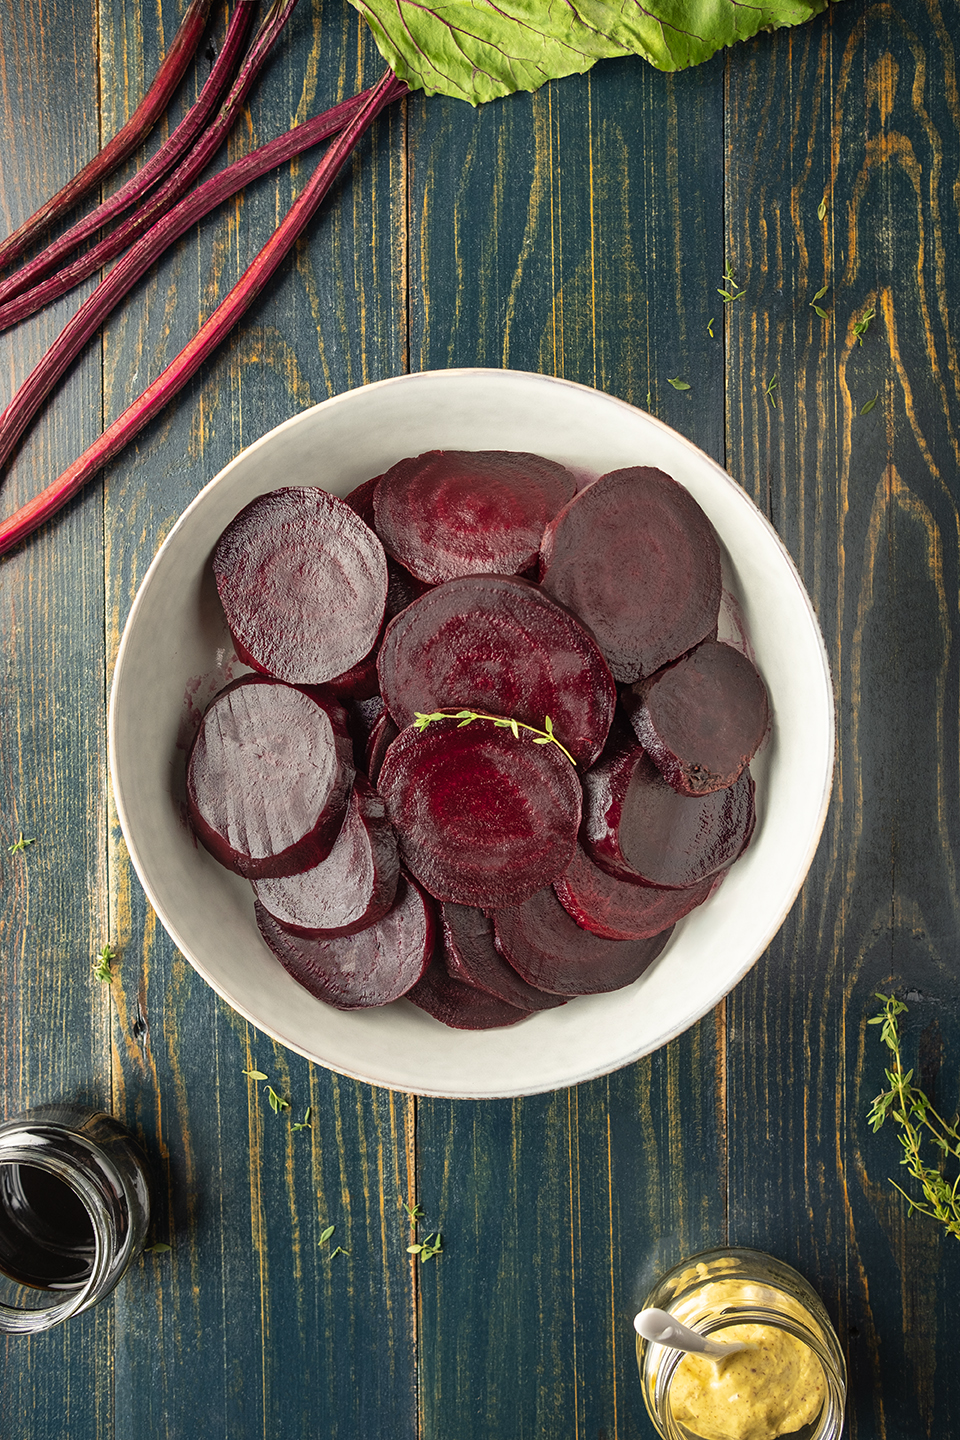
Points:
(860, 112)
(583, 231)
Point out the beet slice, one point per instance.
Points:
(623, 909)
(269, 776)
(382, 735)
(702, 718)
(303, 583)
(462, 1007)
(635, 557)
(496, 643)
(373, 967)
(471, 956)
(355, 885)
(549, 949)
(484, 818)
(638, 827)
(465, 512)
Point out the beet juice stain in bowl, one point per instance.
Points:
(177, 621)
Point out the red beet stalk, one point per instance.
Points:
(172, 188)
(123, 144)
(170, 152)
(138, 260)
(210, 334)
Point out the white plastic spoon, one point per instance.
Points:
(661, 1328)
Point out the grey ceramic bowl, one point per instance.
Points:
(176, 652)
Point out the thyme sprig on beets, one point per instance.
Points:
(503, 722)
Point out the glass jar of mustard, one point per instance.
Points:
(790, 1380)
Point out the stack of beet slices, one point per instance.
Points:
(492, 751)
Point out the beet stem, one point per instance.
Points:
(172, 188)
(108, 294)
(123, 144)
(211, 333)
(170, 152)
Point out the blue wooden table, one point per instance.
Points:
(582, 231)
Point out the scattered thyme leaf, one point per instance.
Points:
(677, 383)
(325, 1234)
(102, 965)
(821, 292)
(818, 309)
(822, 210)
(339, 1251)
(255, 1075)
(429, 1247)
(862, 325)
(304, 1124)
(19, 846)
(772, 385)
(159, 1247)
(911, 1109)
(502, 722)
(710, 327)
(414, 1211)
(733, 290)
(277, 1102)
(868, 405)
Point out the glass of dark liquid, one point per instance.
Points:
(74, 1212)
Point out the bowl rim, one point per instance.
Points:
(691, 1014)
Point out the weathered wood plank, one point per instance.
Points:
(55, 1030)
(859, 111)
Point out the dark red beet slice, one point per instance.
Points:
(383, 734)
(483, 818)
(471, 956)
(360, 499)
(360, 682)
(634, 556)
(303, 583)
(355, 885)
(549, 949)
(373, 967)
(638, 827)
(702, 718)
(462, 1007)
(498, 644)
(269, 776)
(623, 909)
(467, 512)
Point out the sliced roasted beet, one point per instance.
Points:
(360, 499)
(702, 718)
(484, 818)
(550, 950)
(269, 776)
(355, 885)
(638, 827)
(636, 558)
(623, 909)
(462, 1007)
(373, 967)
(303, 583)
(383, 734)
(467, 512)
(360, 682)
(471, 956)
(498, 644)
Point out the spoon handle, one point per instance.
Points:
(662, 1329)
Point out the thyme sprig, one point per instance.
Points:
(907, 1104)
(103, 964)
(503, 722)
